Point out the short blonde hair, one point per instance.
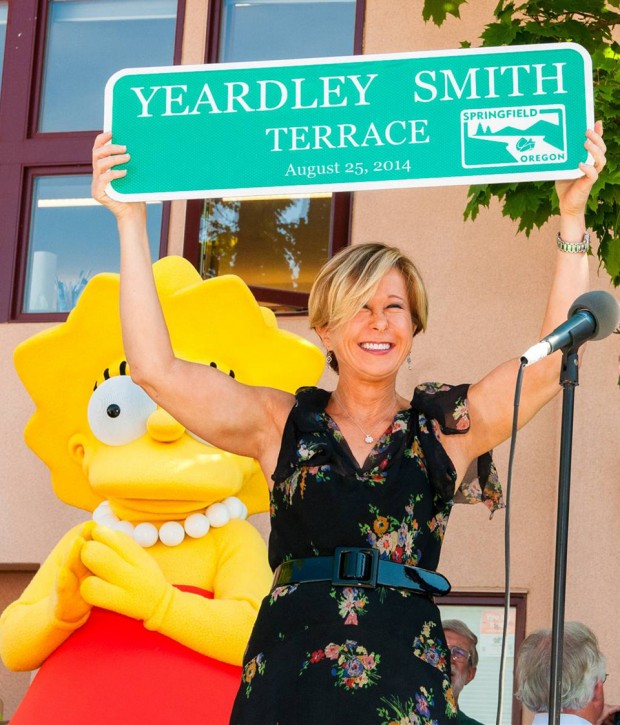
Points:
(348, 280)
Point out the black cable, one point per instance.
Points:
(513, 441)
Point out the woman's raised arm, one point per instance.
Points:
(491, 399)
(242, 419)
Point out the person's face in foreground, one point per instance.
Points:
(376, 341)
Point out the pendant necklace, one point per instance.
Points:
(367, 437)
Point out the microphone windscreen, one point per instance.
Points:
(603, 307)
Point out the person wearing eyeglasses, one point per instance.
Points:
(583, 677)
(461, 643)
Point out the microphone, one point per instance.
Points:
(592, 316)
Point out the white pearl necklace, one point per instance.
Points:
(172, 533)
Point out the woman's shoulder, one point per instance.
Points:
(311, 399)
(445, 403)
(446, 407)
(305, 431)
(303, 409)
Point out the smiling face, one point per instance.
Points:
(374, 343)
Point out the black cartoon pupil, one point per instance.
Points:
(113, 410)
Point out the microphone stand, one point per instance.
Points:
(569, 379)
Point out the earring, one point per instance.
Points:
(329, 357)
(409, 362)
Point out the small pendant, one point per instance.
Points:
(369, 439)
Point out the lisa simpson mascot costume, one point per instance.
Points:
(142, 615)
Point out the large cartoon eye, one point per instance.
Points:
(118, 410)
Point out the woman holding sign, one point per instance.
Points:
(363, 479)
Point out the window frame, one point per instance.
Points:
(518, 600)
(26, 153)
(296, 303)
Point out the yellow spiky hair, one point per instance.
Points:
(217, 321)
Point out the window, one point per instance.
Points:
(484, 615)
(54, 237)
(59, 263)
(4, 7)
(127, 33)
(276, 29)
(276, 244)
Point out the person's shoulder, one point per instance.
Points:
(447, 404)
(312, 397)
(306, 391)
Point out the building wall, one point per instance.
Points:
(487, 287)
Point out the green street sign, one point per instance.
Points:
(432, 118)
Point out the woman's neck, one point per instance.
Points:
(369, 401)
(363, 414)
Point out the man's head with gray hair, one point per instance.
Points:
(458, 626)
(461, 642)
(583, 671)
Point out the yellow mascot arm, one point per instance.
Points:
(49, 609)
(127, 579)
(220, 627)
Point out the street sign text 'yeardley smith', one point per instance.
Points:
(362, 122)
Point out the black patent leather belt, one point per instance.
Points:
(358, 567)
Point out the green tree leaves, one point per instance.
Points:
(437, 10)
(591, 25)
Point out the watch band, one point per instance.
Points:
(574, 247)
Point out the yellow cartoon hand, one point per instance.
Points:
(67, 603)
(125, 578)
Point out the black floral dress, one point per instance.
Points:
(321, 653)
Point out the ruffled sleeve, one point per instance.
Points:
(445, 406)
(305, 441)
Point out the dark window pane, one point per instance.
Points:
(88, 41)
(276, 242)
(275, 29)
(4, 6)
(72, 238)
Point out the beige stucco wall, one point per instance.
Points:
(487, 290)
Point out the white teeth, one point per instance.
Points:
(375, 346)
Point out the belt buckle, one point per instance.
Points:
(359, 572)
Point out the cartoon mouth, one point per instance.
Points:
(154, 508)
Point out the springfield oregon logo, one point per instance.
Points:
(521, 135)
